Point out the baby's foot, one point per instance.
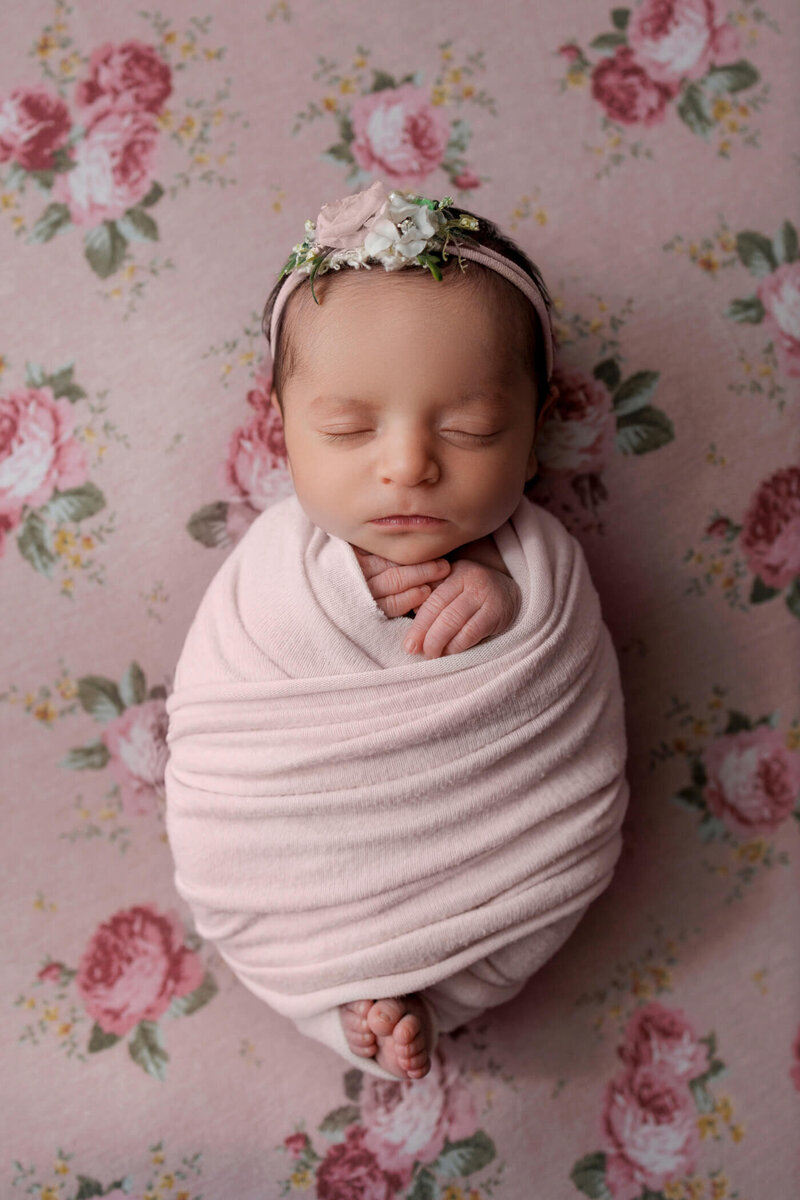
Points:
(360, 1038)
(401, 1026)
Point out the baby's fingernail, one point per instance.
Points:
(409, 644)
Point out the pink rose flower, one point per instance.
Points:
(649, 1123)
(779, 292)
(770, 534)
(569, 51)
(349, 1171)
(51, 973)
(255, 469)
(399, 134)
(656, 1035)
(296, 1143)
(718, 528)
(8, 521)
(137, 743)
(133, 966)
(679, 39)
(794, 1072)
(131, 75)
(114, 167)
(406, 1122)
(38, 453)
(752, 780)
(33, 125)
(343, 224)
(466, 180)
(578, 435)
(626, 91)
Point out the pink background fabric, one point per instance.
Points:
(645, 158)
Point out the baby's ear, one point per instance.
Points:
(273, 398)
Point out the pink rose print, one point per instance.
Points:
(794, 1073)
(770, 535)
(656, 1035)
(51, 973)
(8, 521)
(137, 743)
(38, 453)
(752, 780)
(399, 134)
(780, 295)
(649, 1124)
(627, 93)
(296, 1143)
(131, 75)
(114, 167)
(256, 462)
(679, 39)
(578, 435)
(466, 180)
(33, 125)
(133, 966)
(350, 1171)
(407, 1122)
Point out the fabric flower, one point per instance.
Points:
(343, 224)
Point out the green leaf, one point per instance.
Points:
(209, 525)
(589, 1176)
(608, 372)
(100, 698)
(694, 111)
(690, 797)
(54, 217)
(137, 226)
(761, 591)
(32, 543)
(132, 686)
(793, 597)
(76, 504)
(468, 1155)
(699, 777)
(86, 758)
(88, 1187)
(748, 309)
(353, 1083)
(785, 243)
(104, 248)
(645, 430)
(63, 384)
(620, 17)
(734, 77)
(702, 1097)
(184, 1006)
(635, 392)
(154, 195)
(339, 1118)
(100, 1040)
(424, 1187)
(147, 1049)
(737, 722)
(35, 375)
(608, 41)
(381, 80)
(756, 253)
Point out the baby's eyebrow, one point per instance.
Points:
(336, 404)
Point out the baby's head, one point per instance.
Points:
(403, 393)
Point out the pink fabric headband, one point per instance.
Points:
(483, 255)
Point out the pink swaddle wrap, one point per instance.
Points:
(351, 822)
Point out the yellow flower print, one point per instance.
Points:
(709, 262)
(45, 46)
(439, 96)
(65, 1029)
(700, 729)
(576, 77)
(696, 1190)
(674, 1190)
(661, 977)
(793, 739)
(737, 1132)
(447, 55)
(347, 85)
(468, 91)
(63, 541)
(719, 1188)
(724, 1107)
(359, 62)
(45, 712)
(51, 1013)
(61, 1168)
(707, 1126)
(727, 242)
(68, 585)
(595, 325)
(752, 852)
(170, 37)
(452, 1192)
(167, 1181)
(721, 108)
(48, 1193)
(301, 1179)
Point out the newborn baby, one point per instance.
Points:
(410, 401)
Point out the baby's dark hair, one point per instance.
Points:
(511, 302)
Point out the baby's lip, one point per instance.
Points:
(408, 517)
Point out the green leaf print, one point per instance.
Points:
(694, 111)
(644, 430)
(184, 1006)
(690, 797)
(785, 243)
(381, 81)
(737, 722)
(340, 1118)
(32, 543)
(756, 253)
(634, 393)
(209, 525)
(620, 17)
(424, 1187)
(147, 1049)
(137, 226)
(353, 1083)
(54, 217)
(101, 1040)
(761, 591)
(100, 698)
(734, 77)
(702, 1097)
(608, 372)
(153, 196)
(63, 384)
(589, 1176)
(793, 598)
(749, 309)
(104, 248)
(464, 1157)
(76, 504)
(87, 1188)
(93, 757)
(608, 41)
(133, 686)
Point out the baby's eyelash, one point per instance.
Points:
(480, 438)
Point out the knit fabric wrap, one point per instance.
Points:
(349, 821)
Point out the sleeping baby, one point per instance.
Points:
(385, 822)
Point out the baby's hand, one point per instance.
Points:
(473, 602)
(397, 588)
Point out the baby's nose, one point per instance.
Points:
(409, 461)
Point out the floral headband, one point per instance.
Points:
(396, 230)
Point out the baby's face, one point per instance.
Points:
(400, 406)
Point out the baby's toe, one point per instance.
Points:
(384, 1015)
(360, 1038)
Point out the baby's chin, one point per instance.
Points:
(407, 547)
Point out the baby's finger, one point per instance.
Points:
(397, 578)
(402, 602)
(440, 622)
